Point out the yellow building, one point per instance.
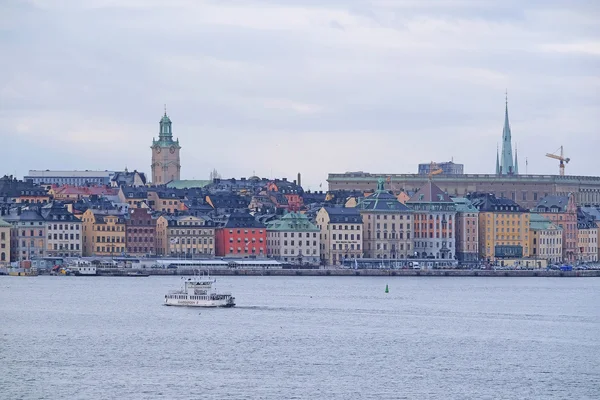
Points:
(103, 233)
(545, 239)
(4, 242)
(341, 234)
(184, 236)
(503, 228)
(587, 238)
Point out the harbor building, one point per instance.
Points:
(503, 228)
(166, 163)
(4, 241)
(341, 234)
(562, 211)
(434, 222)
(387, 225)
(64, 233)
(467, 230)
(294, 238)
(140, 234)
(587, 238)
(545, 239)
(28, 233)
(185, 236)
(241, 236)
(103, 233)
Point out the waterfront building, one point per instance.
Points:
(387, 225)
(140, 233)
(5, 229)
(587, 238)
(185, 236)
(594, 212)
(545, 239)
(505, 164)
(562, 211)
(341, 234)
(73, 178)
(467, 230)
(503, 228)
(103, 233)
(241, 236)
(166, 163)
(434, 222)
(63, 230)
(294, 238)
(448, 168)
(28, 233)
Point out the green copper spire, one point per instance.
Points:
(380, 184)
(506, 159)
(165, 133)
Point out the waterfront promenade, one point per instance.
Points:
(364, 272)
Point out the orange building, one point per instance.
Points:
(562, 211)
(241, 236)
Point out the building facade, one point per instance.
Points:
(294, 239)
(103, 233)
(5, 228)
(341, 234)
(503, 228)
(63, 230)
(73, 178)
(545, 239)
(434, 223)
(562, 211)
(140, 234)
(28, 233)
(526, 190)
(467, 230)
(185, 236)
(166, 163)
(241, 236)
(387, 225)
(587, 238)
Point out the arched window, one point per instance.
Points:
(3, 256)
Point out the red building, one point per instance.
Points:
(292, 192)
(140, 232)
(241, 236)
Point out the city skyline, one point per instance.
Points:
(259, 89)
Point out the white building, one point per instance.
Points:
(341, 234)
(63, 230)
(294, 239)
(75, 178)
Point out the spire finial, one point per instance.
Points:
(506, 97)
(165, 110)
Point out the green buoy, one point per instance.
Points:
(387, 290)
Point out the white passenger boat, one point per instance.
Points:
(198, 292)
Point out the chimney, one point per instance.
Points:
(284, 179)
(299, 179)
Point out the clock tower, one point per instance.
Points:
(166, 165)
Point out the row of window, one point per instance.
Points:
(110, 249)
(66, 236)
(72, 227)
(345, 246)
(424, 244)
(64, 247)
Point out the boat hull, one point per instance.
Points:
(199, 303)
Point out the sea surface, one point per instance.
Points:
(302, 338)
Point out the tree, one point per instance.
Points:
(214, 174)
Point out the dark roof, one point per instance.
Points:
(343, 215)
(56, 211)
(138, 192)
(243, 220)
(553, 202)
(489, 202)
(127, 178)
(585, 220)
(383, 201)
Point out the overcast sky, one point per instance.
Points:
(277, 87)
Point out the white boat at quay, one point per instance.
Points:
(198, 292)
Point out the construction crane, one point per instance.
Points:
(561, 158)
(434, 170)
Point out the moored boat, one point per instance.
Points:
(198, 292)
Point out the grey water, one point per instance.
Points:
(302, 338)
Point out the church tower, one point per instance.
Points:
(166, 164)
(507, 165)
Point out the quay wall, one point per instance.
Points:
(366, 272)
